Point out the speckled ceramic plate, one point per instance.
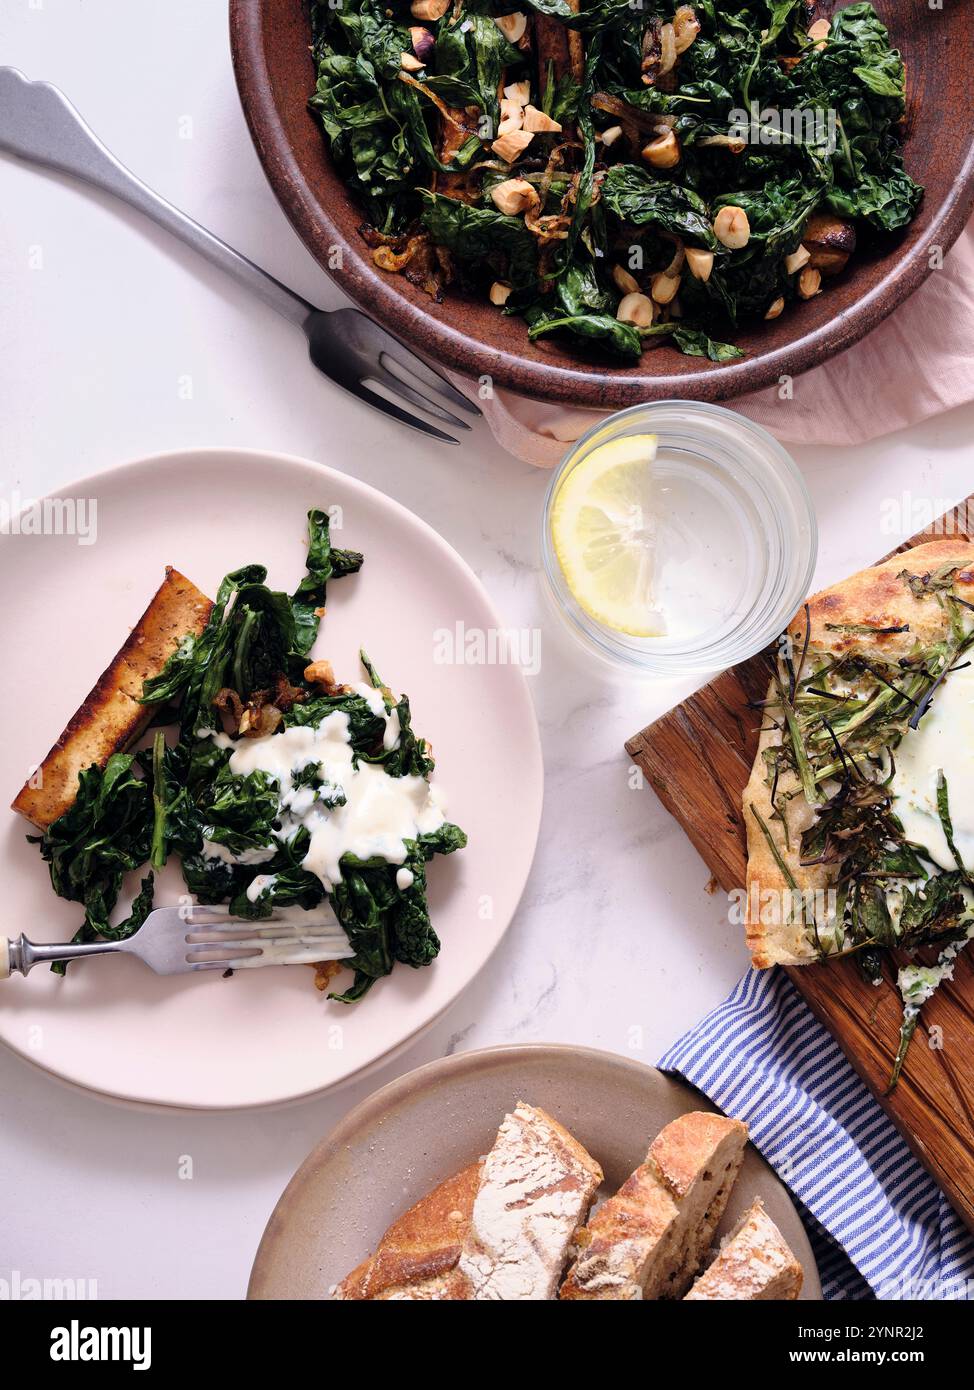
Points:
(264, 1036)
(409, 1136)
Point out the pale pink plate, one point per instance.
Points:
(421, 1128)
(264, 1036)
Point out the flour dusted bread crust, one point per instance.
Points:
(649, 1239)
(505, 1227)
(500, 1229)
(417, 1257)
(536, 1188)
(110, 717)
(754, 1263)
(878, 598)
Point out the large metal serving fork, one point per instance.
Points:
(38, 123)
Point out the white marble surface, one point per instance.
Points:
(615, 933)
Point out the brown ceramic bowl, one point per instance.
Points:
(399, 1143)
(275, 76)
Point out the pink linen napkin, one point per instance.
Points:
(917, 363)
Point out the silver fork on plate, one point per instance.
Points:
(176, 940)
(38, 123)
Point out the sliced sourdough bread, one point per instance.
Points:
(417, 1257)
(648, 1240)
(535, 1192)
(754, 1262)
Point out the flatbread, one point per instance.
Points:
(110, 718)
(879, 598)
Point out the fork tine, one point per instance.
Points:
(402, 388)
(205, 955)
(210, 918)
(217, 936)
(220, 918)
(308, 945)
(374, 341)
(373, 398)
(435, 380)
(260, 943)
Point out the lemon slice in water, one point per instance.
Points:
(604, 535)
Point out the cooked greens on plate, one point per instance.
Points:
(616, 172)
(281, 789)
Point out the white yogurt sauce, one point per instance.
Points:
(918, 983)
(943, 741)
(373, 698)
(380, 812)
(263, 883)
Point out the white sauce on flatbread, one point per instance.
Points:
(943, 741)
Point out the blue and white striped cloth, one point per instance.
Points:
(879, 1225)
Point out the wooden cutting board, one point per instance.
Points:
(698, 759)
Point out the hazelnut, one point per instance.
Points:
(512, 26)
(700, 263)
(665, 288)
(511, 144)
(624, 282)
(797, 259)
(664, 152)
(514, 196)
(809, 283)
(637, 309)
(511, 111)
(537, 122)
(731, 228)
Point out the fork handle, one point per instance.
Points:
(18, 953)
(38, 123)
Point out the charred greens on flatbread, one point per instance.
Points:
(856, 676)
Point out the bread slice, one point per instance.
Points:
(417, 1257)
(754, 1262)
(535, 1192)
(648, 1240)
(110, 717)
